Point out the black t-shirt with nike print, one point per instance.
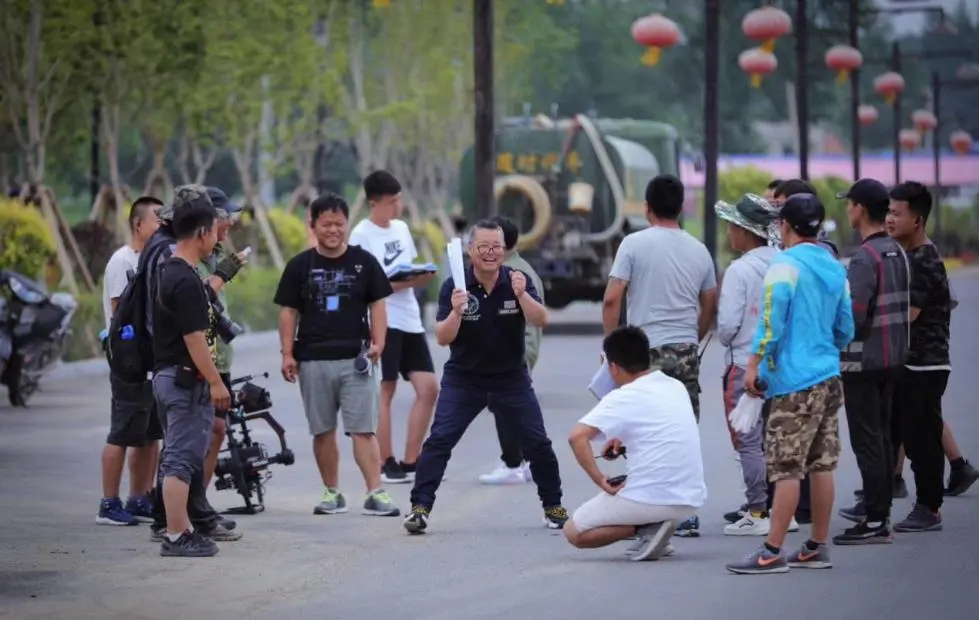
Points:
(333, 296)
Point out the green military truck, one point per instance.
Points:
(575, 188)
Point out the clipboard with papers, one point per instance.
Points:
(402, 272)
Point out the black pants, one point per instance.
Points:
(869, 398)
(458, 405)
(918, 408)
(508, 432)
(804, 508)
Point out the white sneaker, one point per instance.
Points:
(503, 475)
(525, 470)
(749, 525)
(793, 525)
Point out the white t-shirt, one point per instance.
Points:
(115, 279)
(653, 418)
(392, 246)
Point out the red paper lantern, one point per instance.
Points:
(655, 32)
(961, 142)
(843, 59)
(867, 114)
(909, 139)
(766, 25)
(757, 62)
(924, 120)
(889, 85)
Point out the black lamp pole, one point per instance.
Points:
(483, 81)
(712, 33)
(802, 85)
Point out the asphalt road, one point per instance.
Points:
(487, 554)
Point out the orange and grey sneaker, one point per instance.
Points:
(555, 517)
(806, 557)
(761, 562)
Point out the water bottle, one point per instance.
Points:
(127, 332)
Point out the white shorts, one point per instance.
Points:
(604, 510)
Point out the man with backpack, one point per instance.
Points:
(133, 424)
(131, 352)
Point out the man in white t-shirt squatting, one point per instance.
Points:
(650, 416)
(406, 348)
(133, 422)
(667, 280)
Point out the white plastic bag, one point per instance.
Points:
(746, 413)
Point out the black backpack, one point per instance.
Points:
(131, 358)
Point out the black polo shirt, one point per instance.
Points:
(489, 348)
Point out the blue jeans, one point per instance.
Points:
(458, 405)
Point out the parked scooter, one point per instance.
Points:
(34, 331)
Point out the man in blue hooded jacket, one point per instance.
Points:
(806, 320)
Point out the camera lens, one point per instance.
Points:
(361, 364)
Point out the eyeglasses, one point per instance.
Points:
(484, 248)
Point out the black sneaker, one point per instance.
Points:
(157, 532)
(959, 480)
(189, 545)
(417, 520)
(900, 487)
(735, 515)
(409, 470)
(392, 473)
(226, 523)
(862, 534)
(857, 513)
(920, 519)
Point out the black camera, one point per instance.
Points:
(226, 329)
(244, 464)
(362, 363)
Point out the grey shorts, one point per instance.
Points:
(187, 416)
(332, 387)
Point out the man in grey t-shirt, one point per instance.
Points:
(671, 284)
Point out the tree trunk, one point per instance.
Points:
(243, 163)
(158, 182)
(110, 131)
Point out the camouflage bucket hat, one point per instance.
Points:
(752, 212)
(183, 195)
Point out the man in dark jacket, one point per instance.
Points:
(879, 277)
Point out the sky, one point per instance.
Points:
(913, 22)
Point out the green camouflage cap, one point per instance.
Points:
(183, 195)
(753, 213)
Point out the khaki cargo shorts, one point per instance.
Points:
(803, 432)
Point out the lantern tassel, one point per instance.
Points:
(841, 76)
(768, 45)
(890, 98)
(380, 4)
(755, 80)
(651, 57)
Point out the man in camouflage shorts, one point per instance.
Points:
(666, 281)
(805, 321)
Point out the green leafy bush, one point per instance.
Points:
(26, 242)
(250, 298)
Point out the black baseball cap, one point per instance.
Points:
(867, 192)
(804, 213)
(222, 203)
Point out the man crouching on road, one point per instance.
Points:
(650, 416)
(186, 383)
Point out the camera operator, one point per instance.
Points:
(328, 290)
(157, 252)
(186, 383)
(651, 416)
(228, 214)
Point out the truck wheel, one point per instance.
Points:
(557, 300)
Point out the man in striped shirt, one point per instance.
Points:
(879, 286)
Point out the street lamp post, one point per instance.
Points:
(712, 33)
(483, 155)
(896, 125)
(854, 41)
(802, 85)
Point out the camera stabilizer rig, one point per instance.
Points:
(244, 464)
